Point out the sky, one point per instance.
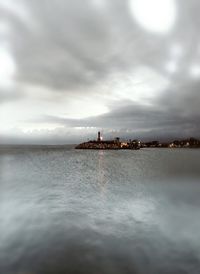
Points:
(130, 68)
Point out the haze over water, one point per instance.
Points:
(70, 211)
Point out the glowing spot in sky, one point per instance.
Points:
(154, 15)
(176, 51)
(7, 68)
(16, 8)
(141, 85)
(4, 28)
(171, 66)
(85, 107)
(99, 3)
(195, 71)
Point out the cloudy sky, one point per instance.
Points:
(69, 68)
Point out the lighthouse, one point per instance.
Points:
(99, 137)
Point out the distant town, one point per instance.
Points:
(185, 143)
(117, 143)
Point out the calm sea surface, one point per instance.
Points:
(70, 211)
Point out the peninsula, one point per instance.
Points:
(99, 143)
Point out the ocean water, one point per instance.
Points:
(81, 211)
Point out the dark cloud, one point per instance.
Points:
(69, 44)
(137, 121)
(74, 48)
(65, 48)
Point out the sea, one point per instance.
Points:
(66, 211)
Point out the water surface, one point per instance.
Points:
(82, 211)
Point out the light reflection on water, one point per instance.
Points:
(69, 211)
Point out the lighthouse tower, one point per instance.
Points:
(99, 137)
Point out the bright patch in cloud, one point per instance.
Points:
(154, 15)
(195, 71)
(140, 85)
(7, 68)
(176, 51)
(15, 7)
(171, 66)
(85, 107)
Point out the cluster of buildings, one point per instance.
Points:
(191, 142)
(99, 143)
(186, 143)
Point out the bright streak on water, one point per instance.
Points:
(69, 211)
